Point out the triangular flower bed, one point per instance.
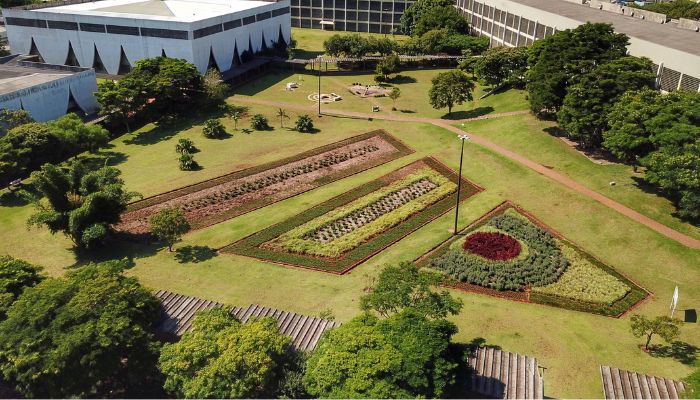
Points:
(510, 254)
(341, 233)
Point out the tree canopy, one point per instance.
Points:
(169, 225)
(502, 65)
(86, 334)
(450, 88)
(557, 59)
(80, 202)
(13, 118)
(222, 358)
(426, 15)
(664, 326)
(15, 276)
(674, 9)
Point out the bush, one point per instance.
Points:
(187, 162)
(185, 146)
(304, 124)
(214, 129)
(259, 123)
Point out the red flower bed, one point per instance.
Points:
(492, 245)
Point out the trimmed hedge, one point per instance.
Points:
(253, 245)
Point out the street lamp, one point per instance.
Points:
(463, 137)
(319, 86)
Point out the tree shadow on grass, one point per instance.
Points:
(401, 79)
(166, 129)
(24, 195)
(683, 352)
(466, 114)
(194, 254)
(117, 247)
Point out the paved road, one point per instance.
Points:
(555, 176)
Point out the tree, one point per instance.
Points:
(15, 276)
(394, 95)
(222, 358)
(674, 9)
(80, 202)
(282, 115)
(444, 41)
(87, 334)
(36, 143)
(169, 225)
(236, 113)
(403, 356)
(352, 45)
(407, 286)
(76, 136)
(502, 66)
(185, 145)
(304, 124)
(387, 66)
(665, 327)
(187, 162)
(122, 100)
(13, 118)
(555, 60)
(450, 88)
(584, 113)
(425, 15)
(259, 123)
(213, 129)
(214, 86)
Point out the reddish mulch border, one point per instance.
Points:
(250, 246)
(637, 295)
(401, 151)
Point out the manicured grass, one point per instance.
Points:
(310, 41)
(526, 135)
(571, 345)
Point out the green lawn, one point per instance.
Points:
(571, 345)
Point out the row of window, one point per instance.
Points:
(338, 15)
(348, 26)
(373, 5)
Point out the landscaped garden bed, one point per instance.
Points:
(507, 253)
(231, 195)
(342, 232)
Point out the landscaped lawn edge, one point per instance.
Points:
(250, 246)
(635, 296)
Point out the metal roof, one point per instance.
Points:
(179, 312)
(621, 384)
(503, 375)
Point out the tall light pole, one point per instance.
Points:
(319, 87)
(463, 138)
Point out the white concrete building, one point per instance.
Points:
(111, 35)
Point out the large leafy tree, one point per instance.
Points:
(80, 202)
(403, 356)
(169, 225)
(13, 118)
(663, 326)
(87, 334)
(502, 65)
(584, 114)
(450, 88)
(426, 15)
(36, 143)
(15, 276)
(222, 358)
(555, 60)
(403, 286)
(76, 136)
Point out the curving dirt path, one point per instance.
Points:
(539, 168)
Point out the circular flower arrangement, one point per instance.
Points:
(492, 245)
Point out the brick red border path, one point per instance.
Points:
(555, 176)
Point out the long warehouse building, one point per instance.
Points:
(111, 35)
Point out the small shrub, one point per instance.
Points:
(185, 146)
(213, 129)
(187, 162)
(259, 123)
(304, 124)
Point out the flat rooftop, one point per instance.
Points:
(663, 34)
(179, 10)
(14, 77)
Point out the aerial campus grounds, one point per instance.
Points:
(372, 188)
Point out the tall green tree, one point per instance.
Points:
(15, 276)
(584, 114)
(121, 101)
(426, 15)
(387, 66)
(87, 334)
(169, 225)
(450, 88)
(214, 87)
(77, 136)
(502, 65)
(663, 326)
(555, 60)
(80, 202)
(222, 358)
(13, 118)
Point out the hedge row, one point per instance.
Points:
(253, 245)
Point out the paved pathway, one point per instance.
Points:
(557, 177)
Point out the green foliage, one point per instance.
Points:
(674, 9)
(304, 124)
(403, 356)
(87, 334)
(282, 115)
(187, 162)
(394, 95)
(15, 3)
(387, 66)
(502, 65)
(556, 60)
(185, 145)
(584, 114)
(426, 15)
(665, 327)
(407, 286)
(450, 88)
(214, 129)
(214, 86)
(13, 118)
(692, 385)
(76, 136)
(169, 225)
(355, 45)
(222, 358)
(543, 265)
(445, 41)
(259, 123)
(15, 276)
(236, 113)
(80, 202)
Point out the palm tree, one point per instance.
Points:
(236, 113)
(282, 115)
